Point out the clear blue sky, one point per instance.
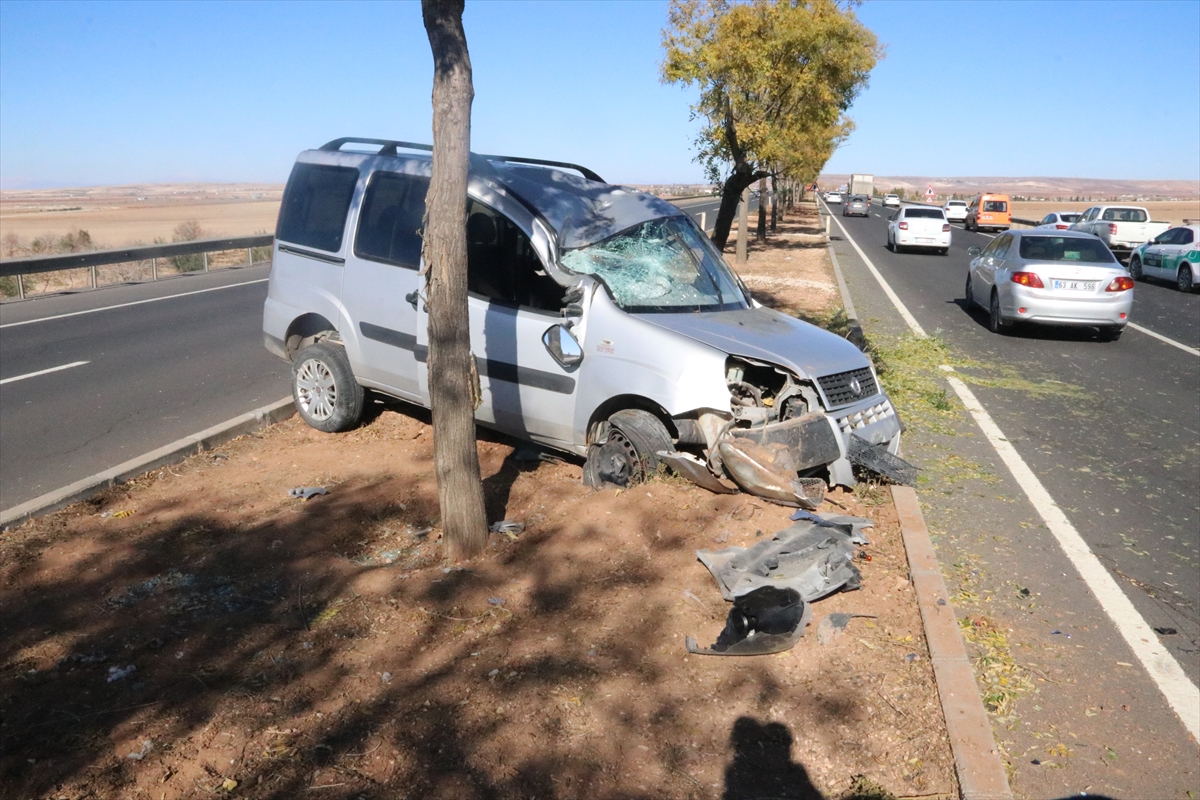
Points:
(115, 92)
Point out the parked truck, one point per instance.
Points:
(862, 184)
(1122, 228)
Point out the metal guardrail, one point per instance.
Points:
(18, 267)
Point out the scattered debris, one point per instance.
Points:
(307, 492)
(1164, 631)
(771, 583)
(385, 677)
(138, 755)
(834, 625)
(764, 620)
(496, 601)
(117, 673)
(815, 559)
(507, 527)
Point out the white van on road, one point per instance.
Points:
(603, 321)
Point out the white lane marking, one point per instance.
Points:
(134, 303)
(1162, 338)
(1173, 682)
(909, 318)
(43, 372)
(1182, 695)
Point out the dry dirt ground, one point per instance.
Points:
(198, 632)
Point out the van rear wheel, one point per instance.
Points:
(1184, 279)
(326, 394)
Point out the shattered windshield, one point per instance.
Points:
(665, 264)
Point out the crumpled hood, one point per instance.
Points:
(766, 335)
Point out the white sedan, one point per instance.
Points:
(955, 210)
(919, 226)
(891, 201)
(1059, 220)
(833, 197)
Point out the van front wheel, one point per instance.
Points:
(326, 394)
(629, 455)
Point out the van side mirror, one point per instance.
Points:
(562, 345)
(973, 251)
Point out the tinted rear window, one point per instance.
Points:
(1065, 248)
(1070, 217)
(924, 213)
(1124, 215)
(314, 207)
(389, 225)
(995, 205)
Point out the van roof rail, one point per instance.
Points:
(584, 171)
(389, 147)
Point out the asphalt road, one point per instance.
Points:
(156, 371)
(1117, 446)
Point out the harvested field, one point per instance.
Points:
(1160, 210)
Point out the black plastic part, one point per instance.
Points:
(876, 458)
(766, 620)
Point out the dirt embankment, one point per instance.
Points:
(200, 632)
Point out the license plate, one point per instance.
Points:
(1074, 286)
(920, 239)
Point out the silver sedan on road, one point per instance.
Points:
(1050, 278)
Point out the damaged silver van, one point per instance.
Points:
(603, 321)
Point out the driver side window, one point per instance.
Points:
(502, 265)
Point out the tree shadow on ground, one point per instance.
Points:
(325, 646)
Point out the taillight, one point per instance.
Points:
(1120, 284)
(946, 228)
(903, 226)
(1112, 229)
(1029, 279)
(1061, 227)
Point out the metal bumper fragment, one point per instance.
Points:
(764, 461)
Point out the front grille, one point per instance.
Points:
(837, 387)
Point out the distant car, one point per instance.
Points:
(833, 197)
(1059, 220)
(891, 201)
(857, 205)
(955, 210)
(1174, 255)
(919, 226)
(1050, 278)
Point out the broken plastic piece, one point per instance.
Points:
(834, 625)
(507, 526)
(766, 620)
(814, 559)
(876, 458)
(307, 492)
(695, 471)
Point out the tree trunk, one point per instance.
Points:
(741, 177)
(774, 203)
(761, 232)
(743, 227)
(456, 459)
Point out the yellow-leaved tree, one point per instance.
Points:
(776, 78)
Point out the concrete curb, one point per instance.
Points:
(170, 454)
(856, 336)
(981, 774)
